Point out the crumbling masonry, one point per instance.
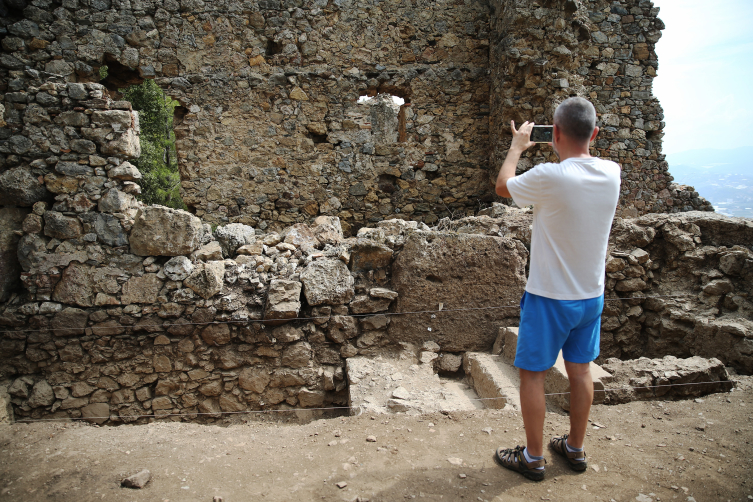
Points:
(113, 309)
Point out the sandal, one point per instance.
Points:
(513, 459)
(576, 459)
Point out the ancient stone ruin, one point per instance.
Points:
(331, 241)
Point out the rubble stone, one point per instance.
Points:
(19, 187)
(369, 255)
(141, 289)
(646, 378)
(297, 355)
(125, 171)
(61, 227)
(75, 286)
(41, 395)
(450, 362)
(96, 413)
(233, 236)
(216, 334)
(327, 281)
(69, 321)
(178, 268)
(206, 278)
(110, 231)
(255, 380)
(209, 252)
(283, 300)
(138, 480)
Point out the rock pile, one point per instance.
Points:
(663, 378)
(705, 258)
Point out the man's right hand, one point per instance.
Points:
(521, 141)
(521, 138)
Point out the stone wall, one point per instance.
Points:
(130, 310)
(605, 52)
(252, 322)
(270, 132)
(248, 322)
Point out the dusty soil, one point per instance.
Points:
(680, 450)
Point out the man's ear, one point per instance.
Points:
(593, 135)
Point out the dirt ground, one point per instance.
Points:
(680, 450)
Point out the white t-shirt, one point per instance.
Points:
(573, 207)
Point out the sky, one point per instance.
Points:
(705, 77)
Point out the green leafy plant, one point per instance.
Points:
(158, 164)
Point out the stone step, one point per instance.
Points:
(556, 382)
(496, 382)
(400, 383)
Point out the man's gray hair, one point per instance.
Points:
(576, 117)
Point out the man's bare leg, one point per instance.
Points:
(533, 408)
(581, 397)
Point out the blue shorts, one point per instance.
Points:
(547, 325)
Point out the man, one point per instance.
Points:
(573, 206)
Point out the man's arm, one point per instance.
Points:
(521, 141)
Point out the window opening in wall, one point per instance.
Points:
(114, 76)
(158, 113)
(369, 99)
(387, 116)
(158, 163)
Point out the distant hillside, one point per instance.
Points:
(723, 177)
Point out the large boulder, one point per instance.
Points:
(233, 236)
(460, 271)
(11, 220)
(283, 300)
(162, 231)
(327, 281)
(19, 187)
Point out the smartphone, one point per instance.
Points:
(542, 133)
